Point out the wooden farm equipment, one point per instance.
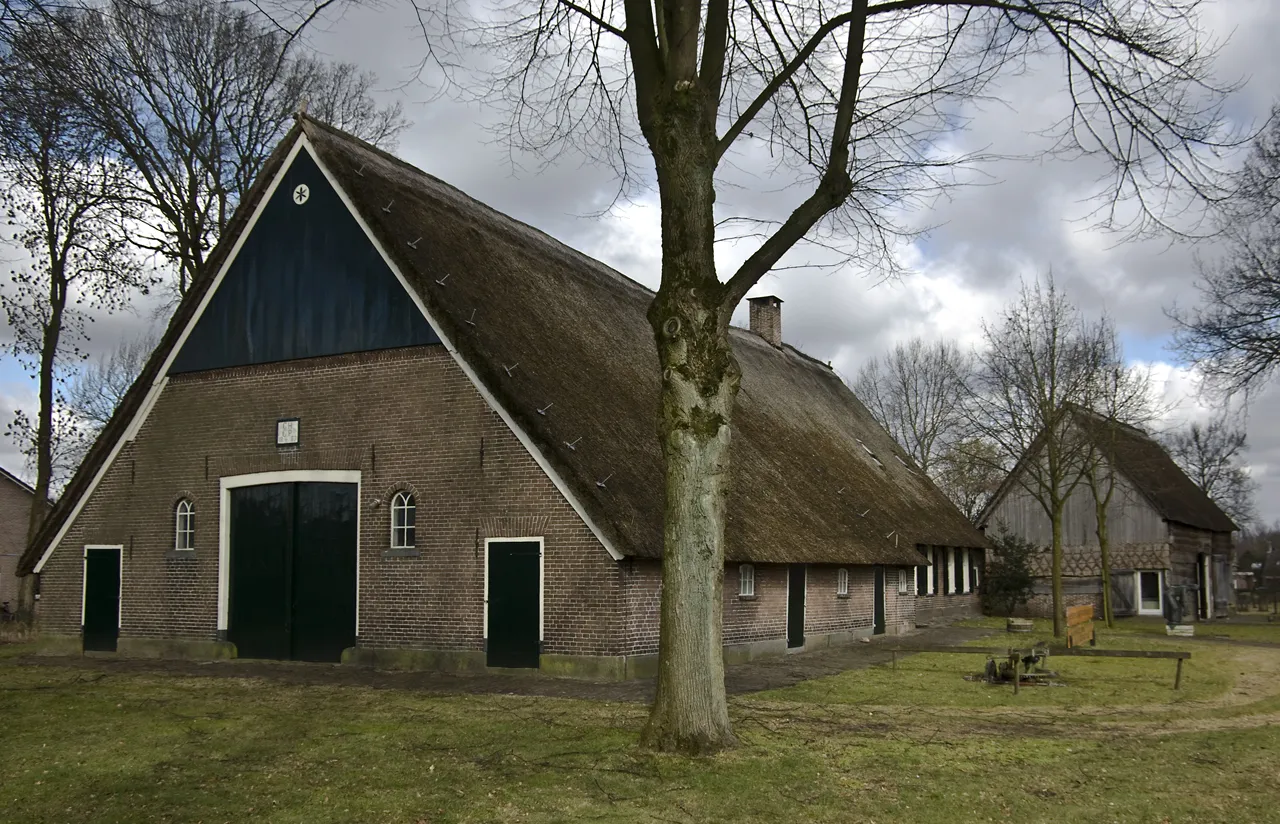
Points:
(1080, 627)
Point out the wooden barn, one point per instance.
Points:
(1164, 531)
(390, 425)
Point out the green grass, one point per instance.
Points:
(872, 745)
(1249, 628)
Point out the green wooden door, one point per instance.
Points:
(293, 571)
(261, 544)
(101, 599)
(324, 572)
(797, 579)
(877, 618)
(513, 608)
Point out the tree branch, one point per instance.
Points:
(593, 18)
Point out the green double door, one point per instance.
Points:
(293, 571)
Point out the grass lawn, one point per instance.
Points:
(1251, 627)
(919, 744)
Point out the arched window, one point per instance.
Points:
(842, 581)
(184, 528)
(403, 521)
(746, 581)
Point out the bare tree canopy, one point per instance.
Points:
(1213, 456)
(853, 103)
(62, 194)
(916, 392)
(1234, 334)
(1041, 359)
(98, 386)
(969, 472)
(195, 94)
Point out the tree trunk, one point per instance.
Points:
(700, 380)
(1059, 610)
(44, 430)
(1104, 549)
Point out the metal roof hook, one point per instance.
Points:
(440, 281)
(573, 446)
(511, 368)
(543, 410)
(387, 208)
(360, 171)
(471, 321)
(413, 244)
(602, 483)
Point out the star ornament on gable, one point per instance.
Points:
(301, 194)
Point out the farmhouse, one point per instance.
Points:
(390, 425)
(1164, 531)
(15, 513)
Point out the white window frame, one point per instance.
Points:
(904, 587)
(951, 572)
(184, 524)
(842, 582)
(746, 581)
(1137, 591)
(964, 572)
(929, 577)
(404, 501)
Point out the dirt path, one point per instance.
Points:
(754, 676)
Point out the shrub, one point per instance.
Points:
(1008, 583)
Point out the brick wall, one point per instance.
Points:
(15, 512)
(403, 418)
(764, 616)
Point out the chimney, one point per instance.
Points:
(766, 318)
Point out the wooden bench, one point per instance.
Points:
(1080, 626)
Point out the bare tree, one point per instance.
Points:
(850, 100)
(1040, 359)
(63, 196)
(1213, 456)
(1120, 396)
(916, 392)
(99, 386)
(969, 472)
(1234, 335)
(195, 94)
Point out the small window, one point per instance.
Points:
(184, 537)
(904, 582)
(746, 581)
(842, 581)
(964, 572)
(403, 521)
(951, 572)
(1150, 592)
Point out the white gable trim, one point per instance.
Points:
(162, 379)
(520, 434)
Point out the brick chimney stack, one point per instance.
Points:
(766, 318)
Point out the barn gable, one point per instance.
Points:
(306, 283)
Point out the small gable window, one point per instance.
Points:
(746, 581)
(842, 581)
(904, 582)
(184, 529)
(403, 521)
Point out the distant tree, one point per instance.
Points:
(63, 197)
(1234, 334)
(916, 391)
(1039, 359)
(98, 387)
(194, 95)
(1213, 456)
(1008, 582)
(969, 472)
(1120, 396)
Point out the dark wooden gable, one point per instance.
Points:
(306, 283)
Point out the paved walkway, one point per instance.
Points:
(754, 676)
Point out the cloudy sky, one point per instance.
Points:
(1025, 220)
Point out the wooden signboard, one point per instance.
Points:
(1080, 626)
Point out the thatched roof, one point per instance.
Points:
(574, 334)
(1147, 465)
